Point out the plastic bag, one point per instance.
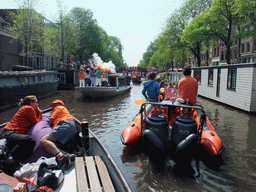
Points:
(28, 172)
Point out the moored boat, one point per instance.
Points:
(117, 85)
(173, 127)
(15, 85)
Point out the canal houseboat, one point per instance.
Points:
(233, 85)
(94, 168)
(116, 85)
(15, 85)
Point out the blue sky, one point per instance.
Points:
(135, 22)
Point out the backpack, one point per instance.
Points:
(49, 175)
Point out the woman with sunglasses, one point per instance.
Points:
(20, 144)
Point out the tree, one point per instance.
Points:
(219, 21)
(28, 26)
(192, 36)
(152, 48)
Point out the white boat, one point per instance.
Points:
(117, 85)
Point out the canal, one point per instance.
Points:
(108, 118)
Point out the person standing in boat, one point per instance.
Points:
(105, 77)
(81, 77)
(187, 86)
(151, 88)
(21, 145)
(93, 77)
(87, 77)
(64, 128)
(99, 73)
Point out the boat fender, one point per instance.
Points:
(185, 142)
(153, 139)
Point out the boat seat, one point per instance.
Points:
(92, 175)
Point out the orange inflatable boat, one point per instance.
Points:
(171, 124)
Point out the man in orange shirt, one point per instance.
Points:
(64, 128)
(188, 86)
(81, 77)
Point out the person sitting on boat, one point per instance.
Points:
(98, 76)
(93, 77)
(81, 77)
(187, 86)
(105, 77)
(169, 92)
(151, 88)
(87, 77)
(64, 128)
(21, 145)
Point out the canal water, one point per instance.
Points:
(108, 118)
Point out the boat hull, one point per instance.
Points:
(101, 92)
(16, 86)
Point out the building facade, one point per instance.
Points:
(12, 51)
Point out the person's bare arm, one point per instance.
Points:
(51, 121)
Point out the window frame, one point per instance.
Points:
(210, 77)
(197, 75)
(231, 79)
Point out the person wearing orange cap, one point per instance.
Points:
(64, 128)
(99, 73)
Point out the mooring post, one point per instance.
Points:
(85, 135)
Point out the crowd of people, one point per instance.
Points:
(93, 77)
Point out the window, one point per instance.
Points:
(242, 48)
(248, 46)
(244, 60)
(254, 47)
(222, 55)
(197, 75)
(210, 77)
(232, 79)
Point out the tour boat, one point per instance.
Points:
(172, 126)
(15, 85)
(116, 85)
(94, 168)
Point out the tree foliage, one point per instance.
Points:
(28, 26)
(201, 24)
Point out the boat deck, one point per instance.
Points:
(88, 174)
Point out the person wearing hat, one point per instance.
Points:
(64, 128)
(99, 73)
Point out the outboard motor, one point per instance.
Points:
(182, 127)
(157, 130)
